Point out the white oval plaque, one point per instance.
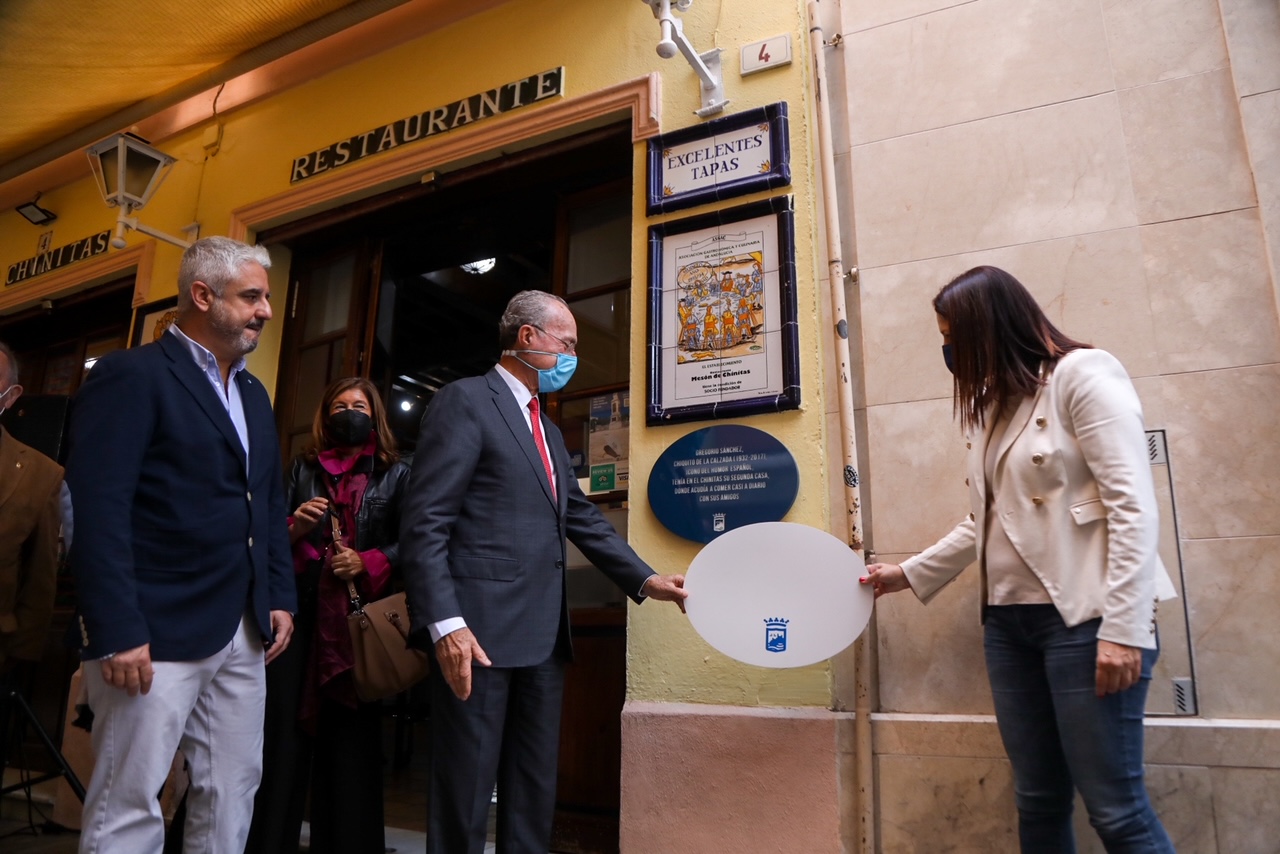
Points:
(778, 594)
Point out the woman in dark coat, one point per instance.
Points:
(316, 730)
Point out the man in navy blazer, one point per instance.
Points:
(490, 504)
(181, 560)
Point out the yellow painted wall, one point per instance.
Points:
(600, 43)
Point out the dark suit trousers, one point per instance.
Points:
(507, 731)
(341, 765)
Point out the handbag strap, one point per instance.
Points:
(357, 607)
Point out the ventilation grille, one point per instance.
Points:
(1157, 452)
(1184, 696)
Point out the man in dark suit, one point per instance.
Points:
(181, 560)
(29, 489)
(490, 505)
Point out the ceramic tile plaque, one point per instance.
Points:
(723, 336)
(722, 159)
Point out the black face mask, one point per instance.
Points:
(350, 427)
(949, 357)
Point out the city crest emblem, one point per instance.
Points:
(775, 634)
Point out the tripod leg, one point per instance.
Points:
(73, 781)
(5, 717)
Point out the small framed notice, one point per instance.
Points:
(722, 314)
(722, 159)
(607, 441)
(153, 320)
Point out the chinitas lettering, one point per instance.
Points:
(45, 262)
(430, 123)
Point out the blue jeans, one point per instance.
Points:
(1059, 734)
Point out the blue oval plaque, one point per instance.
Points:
(720, 478)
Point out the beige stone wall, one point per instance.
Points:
(712, 778)
(944, 784)
(1122, 158)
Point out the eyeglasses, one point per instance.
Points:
(569, 346)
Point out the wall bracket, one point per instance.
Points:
(705, 65)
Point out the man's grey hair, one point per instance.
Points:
(527, 308)
(216, 261)
(12, 361)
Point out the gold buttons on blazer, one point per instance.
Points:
(968, 445)
(1037, 458)
(1037, 500)
(966, 481)
(971, 517)
(1041, 421)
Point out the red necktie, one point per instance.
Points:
(536, 420)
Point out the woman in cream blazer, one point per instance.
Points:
(1063, 525)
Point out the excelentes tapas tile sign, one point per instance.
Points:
(46, 262)
(727, 157)
(429, 123)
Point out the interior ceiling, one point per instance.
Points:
(68, 64)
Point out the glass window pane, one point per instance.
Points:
(97, 348)
(604, 340)
(338, 349)
(329, 297)
(599, 244)
(575, 421)
(298, 443)
(313, 378)
(60, 373)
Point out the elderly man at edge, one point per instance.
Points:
(29, 511)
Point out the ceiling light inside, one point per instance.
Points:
(480, 267)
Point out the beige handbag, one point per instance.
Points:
(385, 663)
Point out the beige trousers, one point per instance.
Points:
(212, 709)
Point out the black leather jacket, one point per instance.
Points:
(377, 520)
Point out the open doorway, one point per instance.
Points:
(58, 341)
(407, 289)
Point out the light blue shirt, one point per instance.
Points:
(230, 395)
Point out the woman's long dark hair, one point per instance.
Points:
(1000, 337)
(387, 452)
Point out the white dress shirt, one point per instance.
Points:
(230, 394)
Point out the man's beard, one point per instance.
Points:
(239, 337)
